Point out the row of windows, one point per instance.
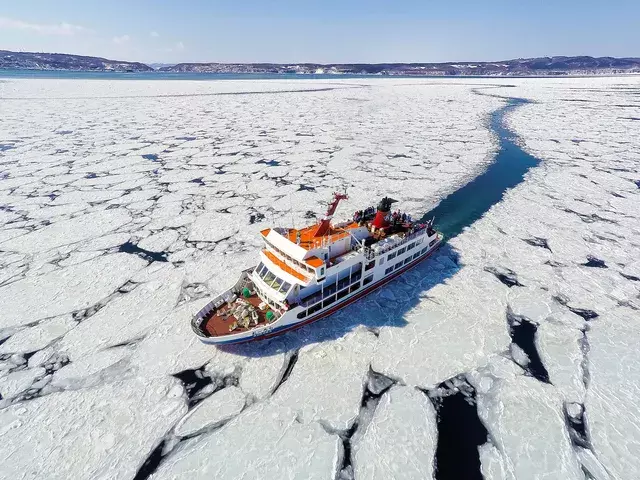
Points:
(403, 249)
(266, 298)
(330, 289)
(318, 301)
(407, 260)
(331, 299)
(272, 280)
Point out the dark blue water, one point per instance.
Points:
(469, 203)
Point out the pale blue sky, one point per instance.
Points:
(321, 31)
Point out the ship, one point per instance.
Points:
(307, 274)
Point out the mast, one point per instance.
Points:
(325, 223)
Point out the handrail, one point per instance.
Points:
(285, 267)
(406, 239)
(284, 259)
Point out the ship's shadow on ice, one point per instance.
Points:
(386, 307)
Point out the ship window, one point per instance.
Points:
(321, 271)
(381, 260)
(397, 265)
(367, 280)
(388, 271)
(311, 299)
(285, 287)
(424, 250)
(329, 301)
(392, 255)
(401, 251)
(356, 277)
(354, 287)
(433, 242)
(411, 245)
(407, 260)
(356, 268)
(370, 265)
(330, 290)
(258, 268)
(314, 309)
(416, 255)
(277, 283)
(343, 293)
(343, 283)
(268, 277)
(302, 314)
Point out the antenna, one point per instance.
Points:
(293, 221)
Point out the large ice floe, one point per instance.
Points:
(125, 205)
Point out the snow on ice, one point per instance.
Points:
(116, 232)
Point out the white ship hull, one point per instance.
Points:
(370, 279)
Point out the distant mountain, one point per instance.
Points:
(63, 61)
(543, 66)
(518, 67)
(157, 66)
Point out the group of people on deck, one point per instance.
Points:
(362, 215)
(368, 213)
(397, 217)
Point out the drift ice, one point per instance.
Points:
(305, 275)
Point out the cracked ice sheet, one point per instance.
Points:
(102, 432)
(65, 232)
(453, 330)
(126, 318)
(339, 372)
(585, 202)
(37, 337)
(266, 441)
(400, 441)
(64, 290)
(614, 388)
(524, 419)
(562, 352)
(212, 411)
(171, 348)
(337, 149)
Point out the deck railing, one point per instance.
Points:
(391, 246)
(213, 305)
(297, 270)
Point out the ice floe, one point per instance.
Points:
(212, 411)
(400, 440)
(263, 442)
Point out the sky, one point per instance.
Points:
(329, 31)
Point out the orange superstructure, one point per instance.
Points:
(309, 241)
(315, 262)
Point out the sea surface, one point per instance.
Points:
(64, 74)
(470, 202)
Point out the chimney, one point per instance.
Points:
(383, 215)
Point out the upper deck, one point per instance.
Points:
(307, 238)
